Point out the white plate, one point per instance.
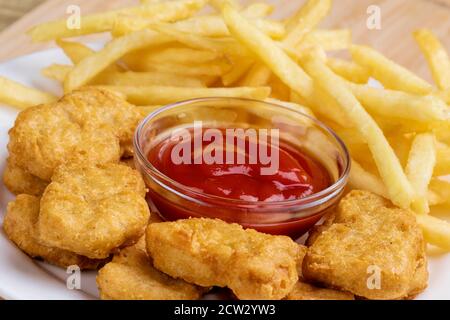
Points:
(24, 278)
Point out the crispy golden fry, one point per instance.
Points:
(18, 180)
(441, 191)
(239, 69)
(389, 167)
(389, 73)
(364, 180)
(140, 61)
(91, 66)
(131, 276)
(435, 231)
(257, 10)
(74, 50)
(269, 52)
(213, 26)
(56, 72)
(442, 166)
(419, 169)
(349, 70)
(214, 253)
(437, 57)
(130, 78)
(93, 209)
(220, 45)
(401, 105)
(306, 20)
(213, 68)
(258, 75)
(19, 225)
(17, 95)
(329, 40)
(88, 125)
(292, 105)
(102, 22)
(367, 234)
(164, 95)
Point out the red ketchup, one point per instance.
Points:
(299, 175)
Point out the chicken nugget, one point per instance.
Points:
(88, 126)
(19, 226)
(306, 291)
(211, 252)
(19, 181)
(131, 276)
(368, 247)
(93, 209)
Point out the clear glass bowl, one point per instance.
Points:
(291, 217)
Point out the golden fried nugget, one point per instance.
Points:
(306, 291)
(20, 181)
(210, 252)
(368, 237)
(131, 276)
(19, 223)
(93, 210)
(87, 126)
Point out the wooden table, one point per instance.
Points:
(399, 19)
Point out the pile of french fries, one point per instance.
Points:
(166, 51)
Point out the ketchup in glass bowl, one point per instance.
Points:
(262, 165)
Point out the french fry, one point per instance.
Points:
(389, 167)
(349, 70)
(240, 67)
(138, 79)
(216, 68)
(390, 74)
(154, 95)
(213, 26)
(221, 45)
(401, 105)
(258, 75)
(102, 22)
(292, 105)
(435, 231)
(180, 55)
(437, 58)
(364, 180)
(329, 40)
(419, 169)
(20, 96)
(56, 72)
(91, 66)
(257, 10)
(306, 20)
(442, 166)
(441, 191)
(269, 52)
(74, 50)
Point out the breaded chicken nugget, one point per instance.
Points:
(131, 276)
(20, 181)
(93, 210)
(365, 237)
(306, 291)
(19, 223)
(210, 252)
(86, 126)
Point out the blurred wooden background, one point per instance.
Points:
(399, 19)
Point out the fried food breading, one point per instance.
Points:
(87, 126)
(19, 225)
(306, 291)
(367, 234)
(131, 276)
(20, 181)
(92, 210)
(211, 252)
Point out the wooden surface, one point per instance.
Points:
(399, 19)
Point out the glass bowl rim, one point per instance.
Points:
(306, 202)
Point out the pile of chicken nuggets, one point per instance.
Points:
(80, 202)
